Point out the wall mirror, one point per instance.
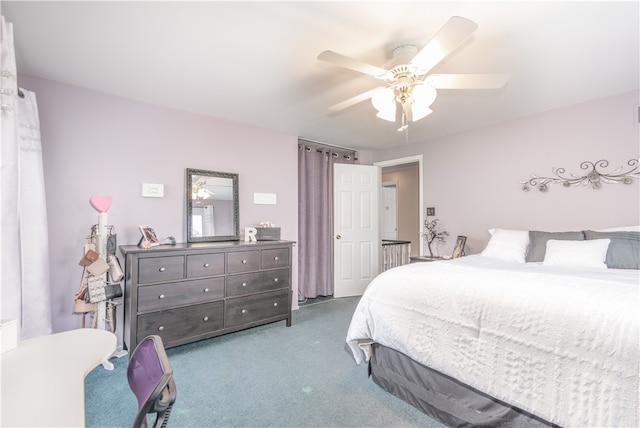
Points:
(212, 206)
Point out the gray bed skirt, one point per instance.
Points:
(441, 397)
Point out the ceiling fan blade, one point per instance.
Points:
(352, 101)
(353, 64)
(468, 81)
(455, 31)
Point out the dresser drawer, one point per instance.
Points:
(181, 323)
(244, 310)
(161, 296)
(205, 265)
(274, 258)
(239, 285)
(157, 269)
(243, 261)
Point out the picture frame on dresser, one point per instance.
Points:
(149, 238)
(458, 249)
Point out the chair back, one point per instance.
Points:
(150, 378)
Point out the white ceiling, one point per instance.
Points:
(255, 62)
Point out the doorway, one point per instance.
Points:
(407, 175)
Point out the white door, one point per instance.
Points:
(389, 211)
(356, 194)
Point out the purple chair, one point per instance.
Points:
(151, 379)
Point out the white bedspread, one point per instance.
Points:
(556, 342)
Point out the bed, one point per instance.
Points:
(540, 329)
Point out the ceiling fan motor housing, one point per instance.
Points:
(401, 55)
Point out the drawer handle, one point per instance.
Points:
(275, 258)
(206, 290)
(161, 328)
(275, 304)
(275, 279)
(244, 311)
(244, 261)
(244, 284)
(206, 265)
(205, 319)
(162, 269)
(161, 296)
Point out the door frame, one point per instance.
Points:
(406, 160)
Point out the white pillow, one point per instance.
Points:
(507, 245)
(589, 254)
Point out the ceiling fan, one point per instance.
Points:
(407, 78)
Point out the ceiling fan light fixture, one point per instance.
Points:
(420, 112)
(389, 114)
(383, 100)
(423, 95)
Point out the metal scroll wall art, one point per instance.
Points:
(593, 176)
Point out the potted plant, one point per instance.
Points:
(431, 233)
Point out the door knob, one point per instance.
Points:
(338, 236)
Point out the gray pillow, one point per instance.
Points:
(538, 242)
(624, 249)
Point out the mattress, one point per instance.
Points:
(559, 343)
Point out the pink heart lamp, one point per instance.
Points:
(101, 203)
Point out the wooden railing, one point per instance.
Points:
(395, 253)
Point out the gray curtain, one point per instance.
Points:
(315, 217)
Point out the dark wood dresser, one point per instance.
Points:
(189, 292)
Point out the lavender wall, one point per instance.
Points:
(473, 178)
(96, 144)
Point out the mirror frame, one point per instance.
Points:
(190, 172)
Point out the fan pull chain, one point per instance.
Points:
(405, 127)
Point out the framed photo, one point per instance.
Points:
(458, 250)
(149, 237)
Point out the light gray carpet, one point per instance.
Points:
(268, 376)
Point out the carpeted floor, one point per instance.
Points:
(268, 376)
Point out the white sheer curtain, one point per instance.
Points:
(24, 272)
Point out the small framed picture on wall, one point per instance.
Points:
(458, 250)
